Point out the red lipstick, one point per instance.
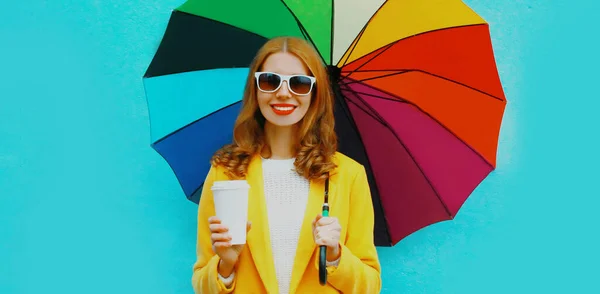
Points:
(283, 109)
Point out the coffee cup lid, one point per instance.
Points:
(232, 184)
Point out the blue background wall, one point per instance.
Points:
(87, 207)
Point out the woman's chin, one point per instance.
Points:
(282, 123)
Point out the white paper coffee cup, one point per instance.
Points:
(231, 206)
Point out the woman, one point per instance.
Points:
(285, 147)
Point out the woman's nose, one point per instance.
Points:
(284, 91)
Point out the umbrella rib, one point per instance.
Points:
(196, 190)
(195, 121)
(395, 72)
(364, 150)
(332, 31)
(403, 71)
(406, 38)
(386, 124)
(351, 48)
(383, 97)
(350, 118)
(372, 58)
(302, 28)
(304, 33)
(375, 116)
(403, 100)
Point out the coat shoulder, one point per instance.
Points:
(346, 165)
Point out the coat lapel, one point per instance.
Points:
(306, 245)
(259, 241)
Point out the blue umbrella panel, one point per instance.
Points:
(194, 87)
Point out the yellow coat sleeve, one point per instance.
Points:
(205, 277)
(358, 270)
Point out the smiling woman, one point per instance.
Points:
(287, 94)
(289, 102)
(418, 100)
(284, 146)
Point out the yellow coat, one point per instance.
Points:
(350, 201)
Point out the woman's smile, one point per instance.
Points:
(283, 109)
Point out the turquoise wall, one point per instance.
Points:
(86, 206)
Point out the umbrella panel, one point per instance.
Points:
(397, 20)
(424, 173)
(188, 151)
(472, 116)
(463, 55)
(452, 167)
(266, 18)
(190, 44)
(349, 19)
(316, 22)
(350, 144)
(176, 100)
(396, 176)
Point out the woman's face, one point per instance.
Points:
(283, 106)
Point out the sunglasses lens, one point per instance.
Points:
(268, 81)
(300, 84)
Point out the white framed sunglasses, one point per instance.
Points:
(270, 82)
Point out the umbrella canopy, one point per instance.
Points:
(418, 99)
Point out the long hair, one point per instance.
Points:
(316, 141)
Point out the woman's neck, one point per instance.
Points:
(280, 141)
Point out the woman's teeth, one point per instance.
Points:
(286, 108)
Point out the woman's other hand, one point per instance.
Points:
(326, 231)
(221, 245)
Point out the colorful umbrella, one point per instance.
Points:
(418, 99)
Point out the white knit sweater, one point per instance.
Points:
(286, 195)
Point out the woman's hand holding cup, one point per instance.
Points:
(230, 225)
(221, 245)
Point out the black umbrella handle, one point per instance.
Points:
(323, 248)
(323, 254)
(323, 265)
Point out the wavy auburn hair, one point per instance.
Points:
(316, 141)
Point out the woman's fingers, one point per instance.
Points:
(214, 220)
(218, 228)
(329, 228)
(323, 221)
(328, 239)
(328, 234)
(222, 244)
(220, 237)
(317, 218)
(319, 240)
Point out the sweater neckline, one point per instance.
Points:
(278, 159)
